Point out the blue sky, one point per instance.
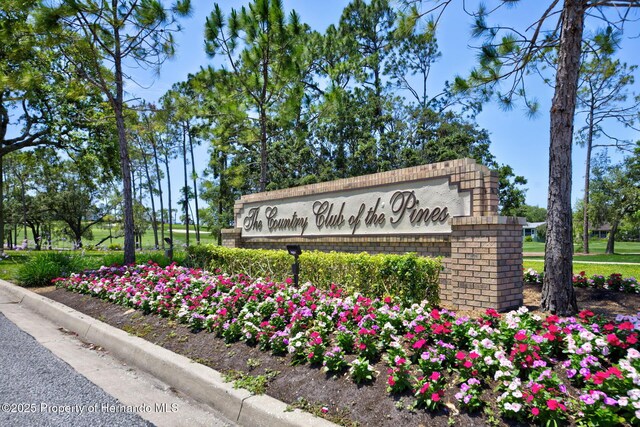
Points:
(517, 140)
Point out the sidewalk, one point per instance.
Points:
(180, 377)
(50, 377)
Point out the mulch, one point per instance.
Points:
(308, 386)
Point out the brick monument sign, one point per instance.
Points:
(447, 209)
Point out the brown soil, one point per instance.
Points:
(308, 386)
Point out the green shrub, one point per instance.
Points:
(46, 266)
(409, 277)
(528, 239)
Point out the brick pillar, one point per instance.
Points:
(231, 237)
(485, 267)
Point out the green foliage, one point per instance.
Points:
(409, 277)
(256, 384)
(541, 232)
(41, 269)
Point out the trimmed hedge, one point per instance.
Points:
(409, 277)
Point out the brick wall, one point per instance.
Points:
(482, 254)
(485, 266)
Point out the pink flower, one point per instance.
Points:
(435, 376)
(435, 397)
(424, 388)
(553, 404)
(520, 336)
(391, 381)
(535, 411)
(460, 355)
(419, 344)
(324, 409)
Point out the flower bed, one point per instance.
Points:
(615, 282)
(582, 370)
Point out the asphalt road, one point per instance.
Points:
(38, 389)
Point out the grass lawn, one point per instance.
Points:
(591, 269)
(179, 237)
(596, 258)
(596, 246)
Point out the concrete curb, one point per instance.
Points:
(195, 380)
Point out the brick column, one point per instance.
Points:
(231, 237)
(485, 267)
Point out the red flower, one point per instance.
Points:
(553, 404)
(535, 411)
(474, 355)
(468, 364)
(391, 381)
(387, 300)
(520, 336)
(613, 340)
(424, 388)
(419, 329)
(625, 326)
(435, 314)
(552, 319)
(585, 314)
(523, 347)
(435, 376)
(492, 313)
(553, 329)
(632, 339)
(435, 397)
(536, 388)
(609, 327)
(460, 355)
(614, 371)
(419, 344)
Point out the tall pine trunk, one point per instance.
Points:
(186, 185)
(123, 150)
(154, 218)
(166, 165)
(195, 189)
(129, 229)
(558, 295)
(157, 162)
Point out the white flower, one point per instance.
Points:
(515, 384)
(517, 394)
(587, 335)
(632, 353)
